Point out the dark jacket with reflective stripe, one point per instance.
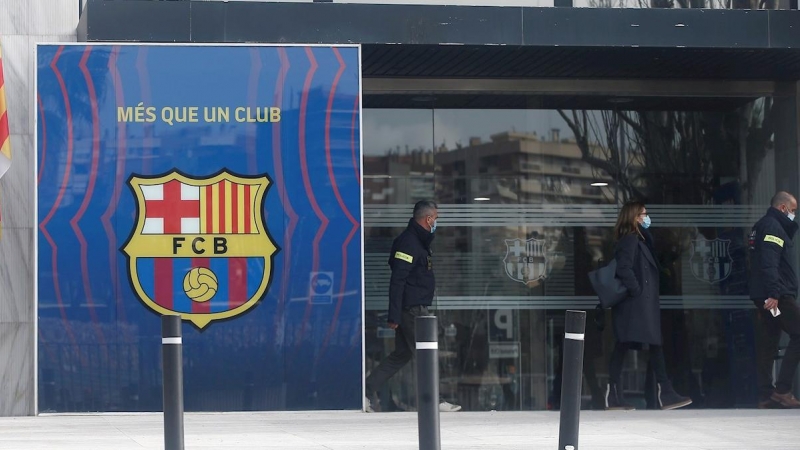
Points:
(412, 281)
(772, 257)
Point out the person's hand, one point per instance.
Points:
(392, 325)
(534, 283)
(770, 304)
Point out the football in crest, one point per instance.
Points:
(200, 284)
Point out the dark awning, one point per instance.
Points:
(492, 42)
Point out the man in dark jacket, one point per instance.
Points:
(773, 289)
(410, 294)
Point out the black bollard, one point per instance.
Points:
(172, 361)
(571, 380)
(428, 383)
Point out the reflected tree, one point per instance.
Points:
(676, 156)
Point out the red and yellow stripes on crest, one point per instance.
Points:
(228, 208)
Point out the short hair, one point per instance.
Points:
(424, 208)
(781, 198)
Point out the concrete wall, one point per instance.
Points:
(22, 24)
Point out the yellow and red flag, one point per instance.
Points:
(5, 132)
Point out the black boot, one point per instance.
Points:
(615, 400)
(669, 399)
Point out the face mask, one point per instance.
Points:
(433, 227)
(789, 214)
(646, 222)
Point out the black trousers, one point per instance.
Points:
(405, 345)
(618, 359)
(771, 327)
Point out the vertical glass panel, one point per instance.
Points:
(398, 172)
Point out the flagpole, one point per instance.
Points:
(5, 132)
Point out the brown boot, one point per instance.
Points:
(786, 400)
(669, 399)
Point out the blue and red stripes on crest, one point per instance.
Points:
(237, 281)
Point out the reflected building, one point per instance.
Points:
(521, 168)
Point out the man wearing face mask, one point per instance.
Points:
(411, 292)
(773, 289)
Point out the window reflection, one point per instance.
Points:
(528, 201)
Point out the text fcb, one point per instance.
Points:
(200, 247)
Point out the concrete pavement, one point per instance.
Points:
(343, 430)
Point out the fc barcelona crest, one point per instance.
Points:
(526, 261)
(711, 261)
(200, 247)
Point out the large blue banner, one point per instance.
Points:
(221, 183)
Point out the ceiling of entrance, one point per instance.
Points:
(380, 60)
(554, 102)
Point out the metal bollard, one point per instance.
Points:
(571, 380)
(172, 361)
(428, 382)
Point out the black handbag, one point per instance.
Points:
(607, 286)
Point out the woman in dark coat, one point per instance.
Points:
(637, 319)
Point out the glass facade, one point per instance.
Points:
(528, 199)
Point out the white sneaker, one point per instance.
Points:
(368, 405)
(448, 407)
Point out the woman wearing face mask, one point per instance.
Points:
(637, 319)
